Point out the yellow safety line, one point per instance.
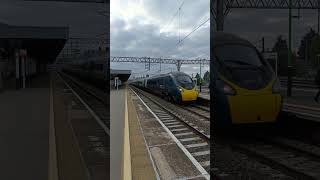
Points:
(52, 166)
(126, 164)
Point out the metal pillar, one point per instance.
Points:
(318, 15)
(178, 65)
(17, 57)
(200, 76)
(263, 44)
(220, 16)
(289, 88)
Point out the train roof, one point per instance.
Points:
(220, 38)
(160, 75)
(167, 74)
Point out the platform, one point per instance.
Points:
(24, 128)
(301, 103)
(117, 108)
(154, 154)
(205, 93)
(301, 96)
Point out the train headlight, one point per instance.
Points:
(227, 89)
(180, 89)
(276, 86)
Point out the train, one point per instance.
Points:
(94, 72)
(244, 86)
(176, 87)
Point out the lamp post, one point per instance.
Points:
(289, 85)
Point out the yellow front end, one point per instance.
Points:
(254, 106)
(189, 95)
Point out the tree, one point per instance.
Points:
(281, 47)
(199, 79)
(315, 49)
(206, 77)
(305, 45)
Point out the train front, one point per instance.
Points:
(247, 89)
(186, 87)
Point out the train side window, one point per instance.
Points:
(168, 82)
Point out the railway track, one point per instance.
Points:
(92, 134)
(204, 108)
(195, 141)
(291, 157)
(95, 98)
(204, 113)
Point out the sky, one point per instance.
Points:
(148, 28)
(253, 24)
(82, 18)
(144, 27)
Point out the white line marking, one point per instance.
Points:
(192, 159)
(126, 140)
(196, 145)
(95, 116)
(52, 161)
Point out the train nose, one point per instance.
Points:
(189, 95)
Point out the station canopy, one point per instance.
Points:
(123, 75)
(43, 43)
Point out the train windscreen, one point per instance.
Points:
(243, 66)
(184, 81)
(238, 55)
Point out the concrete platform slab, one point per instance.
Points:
(205, 96)
(117, 111)
(169, 160)
(24, 125)
(301, 96)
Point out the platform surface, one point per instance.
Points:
(204, 95)
(301, 96)
(169, 161)
(24, 125)
(117, 110)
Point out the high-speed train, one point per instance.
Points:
(175, 86)
(94, 72)
(244, 84)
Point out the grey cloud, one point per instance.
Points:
(82, 18)
(253, 24)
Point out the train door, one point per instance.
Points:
(160, 86)
(170, 86)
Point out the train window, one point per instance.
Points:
(161, 81)
(243, 66)
(241, 55)
(185, 81)
(168, 82)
